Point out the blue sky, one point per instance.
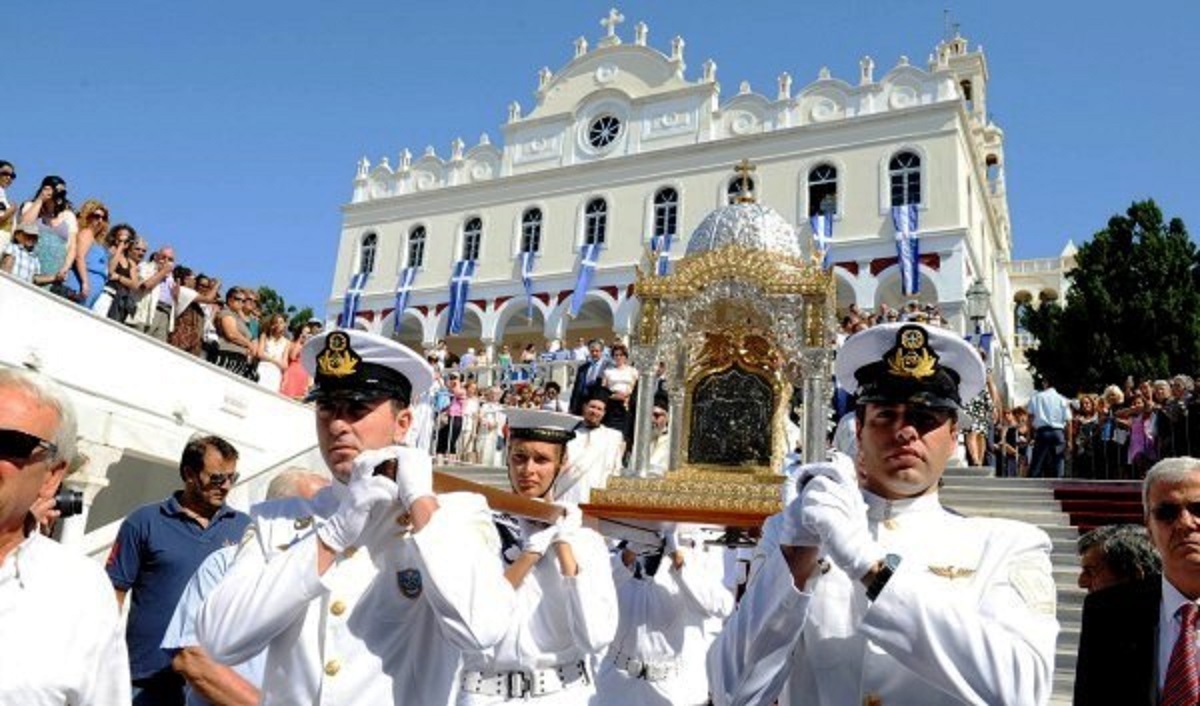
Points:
(231, 129)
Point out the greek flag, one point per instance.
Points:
(403, 289)
(527, 279)
(460, 282)
(908, 250)
(822, 228)
(660, 245)
(353, 296)
(587, 268)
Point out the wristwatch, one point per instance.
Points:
(891, 562)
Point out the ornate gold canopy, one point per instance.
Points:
(742, 321)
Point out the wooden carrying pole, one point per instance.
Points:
(499, 500)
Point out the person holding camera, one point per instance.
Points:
(370, 591)
(51, 212)
(61, 626)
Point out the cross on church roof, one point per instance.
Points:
(610, 23)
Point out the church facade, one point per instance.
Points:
(624, 143)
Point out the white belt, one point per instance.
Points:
(521, 683)
(650, 671)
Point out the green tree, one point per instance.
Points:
(1133, 307)
(271, 302)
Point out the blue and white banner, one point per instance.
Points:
(460, 284)
(403, 289)
(982, 341)
(660, 245)
(354, 292)
(587, 268)
(908, 249)
(527, 258)
(822, 228)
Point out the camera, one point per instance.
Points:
(68, 502)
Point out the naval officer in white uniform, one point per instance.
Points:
(368, 593)
(566, 607)
(877, 594)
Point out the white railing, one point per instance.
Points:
(1035, 266)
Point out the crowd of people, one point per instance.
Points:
(81, 255)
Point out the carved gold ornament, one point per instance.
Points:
(338, 359)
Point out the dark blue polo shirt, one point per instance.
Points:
(158, 548)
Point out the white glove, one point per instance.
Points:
(839, 468)
(792, 532)
(537, 536)
(414, 473)
(570, 523)
(366, 492)
(838, 515)
(672, 542)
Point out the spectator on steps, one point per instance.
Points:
(51, 212)
(89, 271)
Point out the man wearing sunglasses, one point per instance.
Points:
(62, 640)
(369, 592)
(1138, 644)
(159, 547)
(867, 590)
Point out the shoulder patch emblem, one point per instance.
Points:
(409, 581)
(1035, 586)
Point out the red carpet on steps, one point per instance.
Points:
(1091, 504)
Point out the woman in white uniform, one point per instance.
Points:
(566, 607)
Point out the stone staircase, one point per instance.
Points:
(972, 492)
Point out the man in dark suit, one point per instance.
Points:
(589, 376)
(1138, 644)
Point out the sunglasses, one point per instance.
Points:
(20, 446)
(216, 480)
(11, 175)
(1169, 512)
(99, 215)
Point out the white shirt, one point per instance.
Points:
(1169, 624)
(181, 632)
(968, 617)
(660, 452)
(558, 620)
(621, 380)
(663, 623)
(62, 640)
(592, 456)
(558, 404)
(383, 625)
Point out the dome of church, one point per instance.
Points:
(750, 225)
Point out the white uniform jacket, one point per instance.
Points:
(665, 627)
(383, 625)
(558, 620)
(967, 618)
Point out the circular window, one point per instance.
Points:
(603, 131)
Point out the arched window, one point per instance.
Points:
(595, 221)
(416, 247)
(736, 187)
(822, 190)
(531, 230)
(666, 212)
(366, 260)
(904, 171)
(472, 234)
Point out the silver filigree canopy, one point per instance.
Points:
(750, 225)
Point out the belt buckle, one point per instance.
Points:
(519, 685)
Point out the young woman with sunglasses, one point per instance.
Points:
(122, 273)
(90, 268)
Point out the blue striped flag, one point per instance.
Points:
(527, 279)
(660, 245)
(908, 249)
(354, 292)
(460, 284)
(587, 268)
(822, 228)
(403, 289)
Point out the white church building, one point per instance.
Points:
(624, 143)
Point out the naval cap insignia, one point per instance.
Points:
(911, 357)
(409, 581)
(337, 359)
